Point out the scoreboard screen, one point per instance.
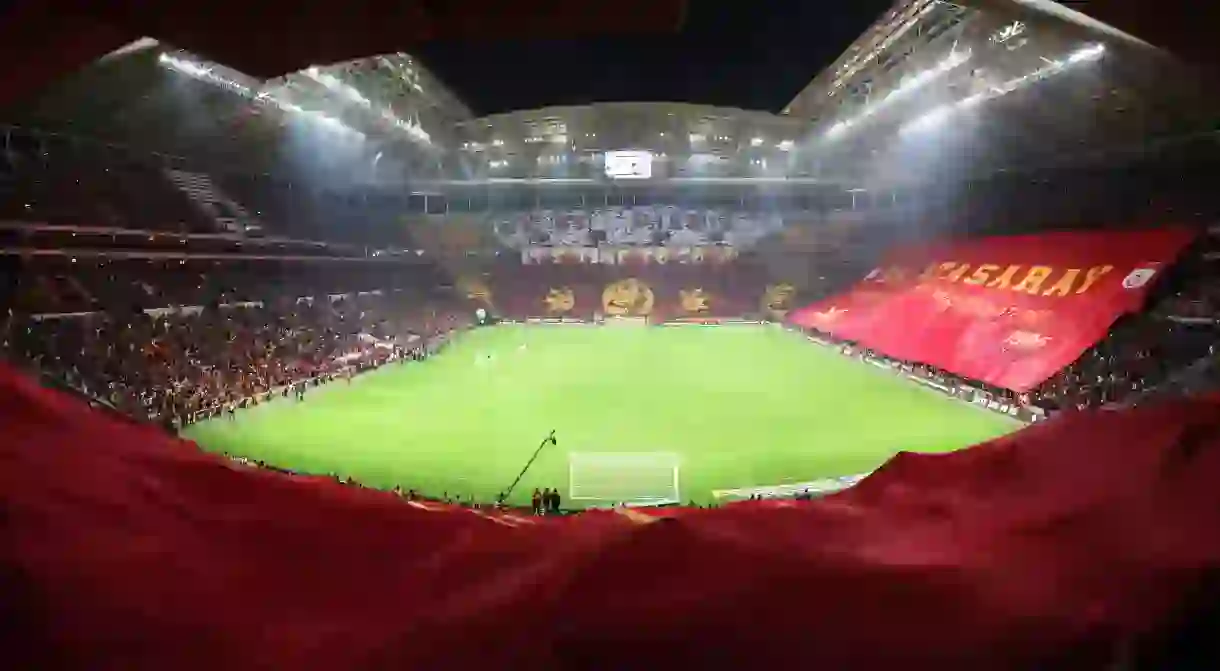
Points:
(629, 164)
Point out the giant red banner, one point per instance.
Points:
(1008, 311)
(124, 549)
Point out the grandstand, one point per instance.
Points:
(979, 225)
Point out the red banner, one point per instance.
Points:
(1008, 311)
(103, 519)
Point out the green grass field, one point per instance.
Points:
(739, 406)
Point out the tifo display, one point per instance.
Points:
(642, 416)
(1011, 311)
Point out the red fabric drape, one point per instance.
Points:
(124, 549)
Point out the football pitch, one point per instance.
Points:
(733, 406)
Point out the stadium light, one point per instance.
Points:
(905, 88)
(406, 73)
(1014, 29)
(351, 94)
(287, 106)
(838, 129)
(856, 64)
(331, 82)
(202, 72)
(413, 129)
(932, 119)
(953, 60)
(334, 125)
(1088, 53)
(213, 74)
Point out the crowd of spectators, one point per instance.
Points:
(1143, 351)
(638, 225)
(177, 363)
(1192, 294)
(1140, 353)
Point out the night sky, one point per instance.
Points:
(754, 54)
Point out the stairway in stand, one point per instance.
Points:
(228, 215)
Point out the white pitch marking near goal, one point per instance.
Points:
(632, 478)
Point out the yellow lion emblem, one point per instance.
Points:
(560, 301)
(694, 300)
(629, 297)
(777, 300)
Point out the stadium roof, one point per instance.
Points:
(950, 90)
(932, 90)
(43, 39)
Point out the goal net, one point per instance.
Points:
(631, 478)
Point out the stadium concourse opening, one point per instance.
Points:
(333, 366)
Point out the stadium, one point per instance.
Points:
(349, 365)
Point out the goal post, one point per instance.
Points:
(624, 478)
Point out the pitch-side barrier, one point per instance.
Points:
(955, 388)
(601, 321)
